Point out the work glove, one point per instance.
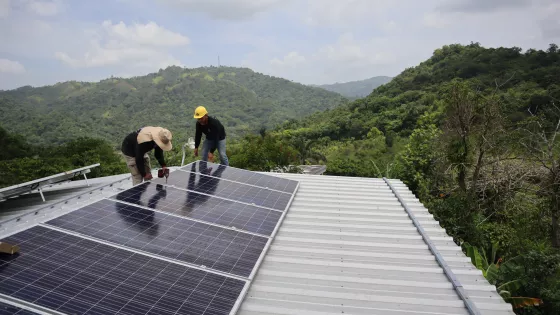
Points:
(196, 152)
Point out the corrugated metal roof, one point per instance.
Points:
(348, 246)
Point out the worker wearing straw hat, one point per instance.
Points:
(136, 146)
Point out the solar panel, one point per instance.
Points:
(242, 176)
(202, 207)
(169, 236)
(191, 248)
(37, 184)
(74, 275)
(214, 186)
(8, 309)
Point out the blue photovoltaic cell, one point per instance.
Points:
(7, 309)
(202, 207)
(166, 235)
(213, 185)
(244, 176)
(78, 276)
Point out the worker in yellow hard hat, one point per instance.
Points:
(215, 135)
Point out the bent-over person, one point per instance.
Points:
(136, 146)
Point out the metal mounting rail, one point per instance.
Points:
(439, 258)
(38, 184)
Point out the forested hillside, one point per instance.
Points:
(475, 133)
(356, 89)
(242, 99)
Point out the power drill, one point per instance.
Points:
(162, 173)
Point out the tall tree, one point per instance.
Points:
(542, 141)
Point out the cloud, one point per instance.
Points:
(225, 9)
(549, 22)
(351, 52)
(290, 60)
(44, 8)
(347, 14)
(389, 25)
(437, 20)
(9, 66)
(542, 14)
(5, 8)
(478, 6)
(347, 58)
(137, 45)
(149, 34)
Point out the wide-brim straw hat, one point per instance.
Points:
(161, 136)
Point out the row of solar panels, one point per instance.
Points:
(190, 246)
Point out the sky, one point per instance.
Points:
(43, 42)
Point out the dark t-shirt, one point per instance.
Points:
(214, 130)
(130, 147)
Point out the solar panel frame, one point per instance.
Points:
(243, 176)
(197, 243)
(89, 264)
(10, 309)
(201, 207)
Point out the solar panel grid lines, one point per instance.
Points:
(232, 227)
(164, 235)
(214, 186)
(202, 208)
(220, 197)
(144, 253)
(76, 275)
(242, 176)
(264, 184)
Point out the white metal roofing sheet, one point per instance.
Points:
(347, 246)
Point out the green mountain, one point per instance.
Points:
(242, 99)
(524, 79)
(356, 89)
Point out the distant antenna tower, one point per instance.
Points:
(218, 60)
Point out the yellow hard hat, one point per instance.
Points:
(199, 112)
